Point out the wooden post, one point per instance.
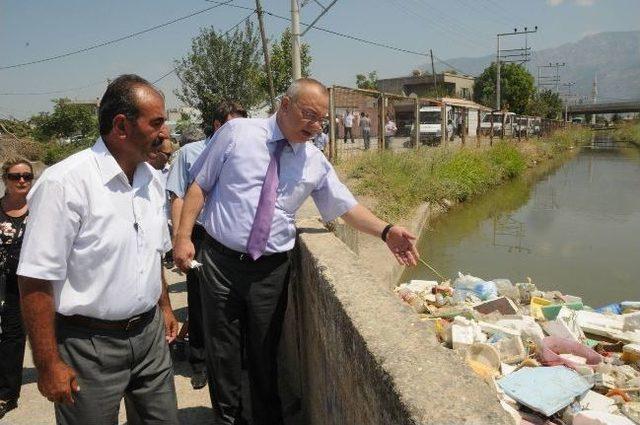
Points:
(333, 151)
(381, 111)
(491, 133)
(443, 124)
(478, 130)
(504, 120)
(417, 126)
(465, 111)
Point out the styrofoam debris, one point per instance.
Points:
(596, 417)
(465, 332)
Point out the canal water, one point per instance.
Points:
(576, 229)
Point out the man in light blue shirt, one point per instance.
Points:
(178, 181)
(245, 288)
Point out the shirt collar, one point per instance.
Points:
(276, 134)
(109, 167)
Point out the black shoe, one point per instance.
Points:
(198, 380)
(7, 406)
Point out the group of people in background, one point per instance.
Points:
(86, 276)
(350, 120)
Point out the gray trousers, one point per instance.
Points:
(112, 364)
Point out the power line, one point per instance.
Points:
(116, 40)
(224, 33)
(460, 28)
(339, 34)
(435, 23)
(43, 93)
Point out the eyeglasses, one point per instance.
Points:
(312, 117)
(17, 176)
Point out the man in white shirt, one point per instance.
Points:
(348, 125)
(94, 299)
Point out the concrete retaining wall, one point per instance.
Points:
(352, 353)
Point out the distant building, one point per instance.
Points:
(450, 84)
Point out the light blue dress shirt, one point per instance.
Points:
(179, 177)
(231, 171)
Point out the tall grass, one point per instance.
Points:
(628, 132)
(402, 181)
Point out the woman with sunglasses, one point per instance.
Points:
(17, 175)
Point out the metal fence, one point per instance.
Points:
(368, 120)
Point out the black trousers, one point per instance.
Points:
(347, 130)
(194, 303)
(12, 341)
(238, 293)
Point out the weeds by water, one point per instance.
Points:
(628, 132)
(402, 181)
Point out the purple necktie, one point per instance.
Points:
(266, 206)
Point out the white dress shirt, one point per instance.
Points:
(95, 237)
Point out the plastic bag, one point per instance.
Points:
(478, 287)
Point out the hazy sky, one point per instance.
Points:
(35, 29)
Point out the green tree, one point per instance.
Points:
(545, 104)
(281, 63)
(67, 119)
(516, 87)
(367, 82)
(221, 67)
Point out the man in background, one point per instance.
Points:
(178, 181)
(348, 125)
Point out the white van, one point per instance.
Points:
(509, 120)
(431, 124)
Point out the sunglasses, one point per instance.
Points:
(17, 176)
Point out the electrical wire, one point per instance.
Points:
(43, 93)
(224, 33)
(436, 24)
(116, 40)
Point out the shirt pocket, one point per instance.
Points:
(156, 232)
(291, 195)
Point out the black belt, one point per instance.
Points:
(129, 324)
(242, 256)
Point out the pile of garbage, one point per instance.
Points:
(551, 359)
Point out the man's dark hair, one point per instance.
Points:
(224, 109)
(120, 98)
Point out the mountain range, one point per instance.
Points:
(611, 57)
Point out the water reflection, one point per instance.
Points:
(575, 228)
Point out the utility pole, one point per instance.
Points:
(567, 99)
(550, 80)
(522, 55)
(433, 74)
(558, 65)
(296, 69)
(267, 59)
(498, 75)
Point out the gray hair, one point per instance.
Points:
(293, 92)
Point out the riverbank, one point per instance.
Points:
(628, 132)
(415, 188)
(399, 183)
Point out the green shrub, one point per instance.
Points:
(507, 158)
